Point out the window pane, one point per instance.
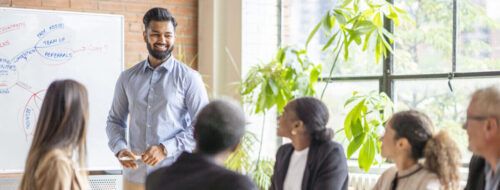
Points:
(424, 46)
(260, 32)
(335, 96)
(479, 35)
(260, 43)
(300, 17)
(446, 109)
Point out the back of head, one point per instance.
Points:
(488, 100)
(314, 114)
(441, 153)
(219, 126)
(61, 125)
(158, 14)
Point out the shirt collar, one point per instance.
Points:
(411, 170)
(488, 169)
(166, 65)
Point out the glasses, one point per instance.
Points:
(475, 118)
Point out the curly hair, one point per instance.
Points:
(442, 157)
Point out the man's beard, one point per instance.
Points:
(160, 55)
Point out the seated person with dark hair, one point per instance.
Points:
(218, 129)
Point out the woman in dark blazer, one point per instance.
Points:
(311, 161)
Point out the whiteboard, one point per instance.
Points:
(37, 47)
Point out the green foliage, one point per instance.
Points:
(363, 125)
(242, 162)
(262, 173)
(290, 74)
(359, 22)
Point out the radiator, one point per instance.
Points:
(96, 182)
(361, 181)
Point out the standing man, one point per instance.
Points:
(483, 128)
(162, 96)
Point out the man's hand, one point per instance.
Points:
(153, 155)
(126, 153)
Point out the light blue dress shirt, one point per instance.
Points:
(161, 102)
(492, 181)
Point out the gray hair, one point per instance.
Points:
(488, 99)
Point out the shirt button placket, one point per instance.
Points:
(148, 109)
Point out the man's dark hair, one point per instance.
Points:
(158, 14)
(219, 127)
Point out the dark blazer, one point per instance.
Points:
(195, 171)
(476, 178)
(326, 167)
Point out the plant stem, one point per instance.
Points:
(338, 131)
(333, 66)
(261, 137)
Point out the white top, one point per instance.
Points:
(296, 167)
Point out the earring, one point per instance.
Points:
(294, 132)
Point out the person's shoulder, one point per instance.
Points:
(56, 155)
(233, 180)
(136, 67)
(389, 173)
(134, 70)
(385, 178)
(285, 147)
(154, 179)
(330, 147)
(55, 162)
(429, 180)
(428, 175)
(183, 69)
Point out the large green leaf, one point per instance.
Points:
(367, 154)
(357, 127)
(351, 117)
(355, 144)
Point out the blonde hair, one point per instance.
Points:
(442, 157)
(62, 124)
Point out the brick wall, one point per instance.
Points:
(185, 11)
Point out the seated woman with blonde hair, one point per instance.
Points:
(60, 132)
(409, 137)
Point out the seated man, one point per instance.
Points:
(483, 129)
(217, 131)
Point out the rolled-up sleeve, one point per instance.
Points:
(195, 99)
(116, 124)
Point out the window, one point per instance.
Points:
(427, 58)
(260, 41)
